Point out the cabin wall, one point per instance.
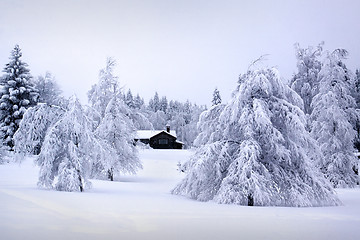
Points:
(163, 141)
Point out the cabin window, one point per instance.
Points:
(163, 141)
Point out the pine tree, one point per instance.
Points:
(34, 125)
(216, 97)
(332, 121)
(16, 95)
(68, 152)
(305, 82)
(261, 155)
(117, 132)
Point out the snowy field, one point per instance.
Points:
(141, 207)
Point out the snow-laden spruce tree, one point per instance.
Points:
(17, 93)
(117, 134)
(216, 97)
(305, 82)
(68, 151)
(34, 125)
(332, 117)
(261, 154)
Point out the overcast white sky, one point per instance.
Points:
(180, 48)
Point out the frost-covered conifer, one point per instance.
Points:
(208, 125)
(101, 93)
(154, 103)
(17, 93)
(163, 104)
(29, 138)
(332, 118)
(305, 82)
(117, 133)
(216, 97)
(138, 102)
(261, 154)
(68, 151)
(49, 91)
(129, 99)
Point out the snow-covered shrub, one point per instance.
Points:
(33, 127)
(261, 153)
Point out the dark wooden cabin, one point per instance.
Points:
(159, 139)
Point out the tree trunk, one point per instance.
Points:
(250, 200)
(111, 174)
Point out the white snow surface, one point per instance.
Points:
(141, 207)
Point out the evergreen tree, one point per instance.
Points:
(356, 90)
(332, 121)
(68, 151)
(17, 93)
(49, 91)
(216, 97)
(101, 93)
(117, 132)
(154, 103)
(163, 104)
(261, 155)
(138, 102)
(129, 99)
(305, 82)
(34, 125)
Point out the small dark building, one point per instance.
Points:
(159, 139)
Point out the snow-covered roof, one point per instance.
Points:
(147, 134)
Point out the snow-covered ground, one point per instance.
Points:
(141, 207)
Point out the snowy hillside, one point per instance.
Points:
(141, 207)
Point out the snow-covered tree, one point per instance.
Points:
(3, 154)
(305, 82)
(332, 117)
(49, 91)
(261, 153)
(216, 97)
(154, 103)
(101, 93)
(356, 95)
(356, 89)
(29, 138)
(68, 151)
(129, 99)
(208, 126)
(138, 102)
(117, 132)
(157, 119)
(163, 104)
(17, 93)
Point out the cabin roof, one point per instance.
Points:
(147, 134)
